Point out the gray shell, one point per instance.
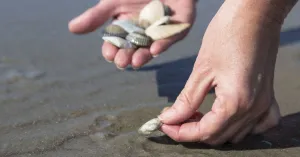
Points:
(139, 39)
(117, 41)
(115, 30)
(129, 26)
(167, 10)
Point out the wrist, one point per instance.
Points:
(271, 11)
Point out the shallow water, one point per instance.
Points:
(59, 97)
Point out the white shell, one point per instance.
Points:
(117, 41)
(161, 21)
(150, 126)
(152, 12)
(165, 31)
(129, 26)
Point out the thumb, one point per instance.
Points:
(91, 19)
(189, 99)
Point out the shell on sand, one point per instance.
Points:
(129, 26)
(117, 41)
(165, 31)
(152, 11)
(150, 126)
(163, 20)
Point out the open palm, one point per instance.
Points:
(183, 12)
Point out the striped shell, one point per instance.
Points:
(115, 30)
(139, 39)
(117, 41)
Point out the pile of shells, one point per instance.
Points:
(152, 24)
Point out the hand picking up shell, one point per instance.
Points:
(152, 24)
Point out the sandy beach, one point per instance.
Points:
(60, 98)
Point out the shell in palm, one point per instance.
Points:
(129, 26)
(115, 30)
(117, 41)
(152, 12)
(167, 10)
(139, 39)
(161, 21)
(165, 31)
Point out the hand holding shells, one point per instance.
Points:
(139, 31)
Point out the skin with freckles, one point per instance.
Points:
(183, 12)
(237, 58)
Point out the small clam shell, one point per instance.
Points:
(144, 23)
(163, 20)
(152, 11)
(167, 10)
(134, 20)
(117, 41)
(129, 26)
(150, 126)
(139, 39)
(115, 30)
(129, 45)
(165, 31)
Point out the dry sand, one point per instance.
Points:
(59, 98)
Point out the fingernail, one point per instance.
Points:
(120, 68)
(154, 56)
(159, 118)
(74, 21)
(108, 61)
(166, 114)
(136, 68)
(164, 109)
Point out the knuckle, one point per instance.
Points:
(178, 137)
(239, 103)
(229, 106)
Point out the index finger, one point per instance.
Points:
(187, 132)
(195, 131)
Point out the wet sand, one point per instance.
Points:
(59, 97)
